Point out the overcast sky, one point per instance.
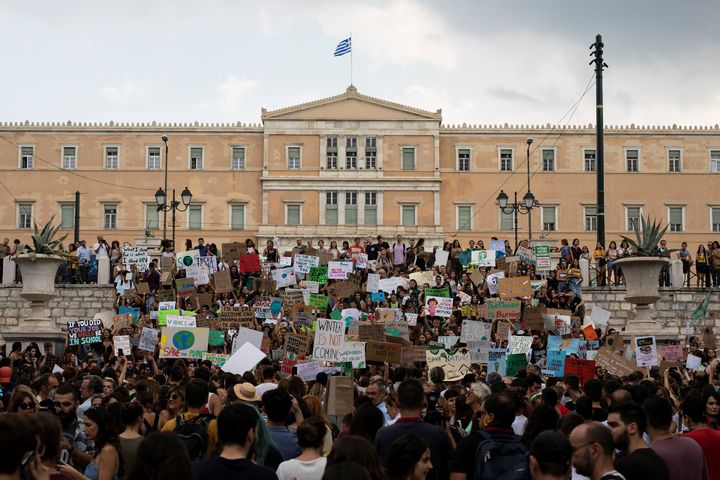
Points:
(480, 61)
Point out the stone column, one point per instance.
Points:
(8, 276)
(676, 273)
(585, 269)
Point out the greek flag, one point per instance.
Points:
(345, 46)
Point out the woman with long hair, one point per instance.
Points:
(359, 451)
(22, 400)
(611, 256)
(600, 264)
(175, 403)
(701, 267)
(366, 422)
(131, 437)
(316, 411)
(107, 463)
(161, 456)
(409, 459)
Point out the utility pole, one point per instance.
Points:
(599, 134)
(76, 233)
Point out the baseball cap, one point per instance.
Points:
(5, 374)
(552, 448)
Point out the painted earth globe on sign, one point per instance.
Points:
(183, 339)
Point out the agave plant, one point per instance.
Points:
(44, 241)
(647, 238)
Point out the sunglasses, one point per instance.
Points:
(27, 405)
(175, 396)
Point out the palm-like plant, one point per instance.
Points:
(44, 241)
(647, 238)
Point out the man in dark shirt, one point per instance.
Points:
(152, 277)
(237, 430)
(411, 399)
(637, 460)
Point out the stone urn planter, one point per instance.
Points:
(641, 280)
(38, 276)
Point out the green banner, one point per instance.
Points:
(216, 338)
(318, 274)
(437, 292)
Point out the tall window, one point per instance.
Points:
(332, 153)
(351, 212)
(111, 158)
(632, 160)
(549, 219)
(715, 219)
(590, 160)
(506, 160)
(237, 217)
(195, 217)
(238, 158)
(27, 152)
(67, 216)
(153, 158)
(196, 158)
(293, 158)
(351, 153)
(292, 214)
(152, 217)
(408, 215)
(507, 221)
(370, 153)
(463, 160)
(110, 216)
(591, 218)
(674, 161)
(24, 215)
(633, 218)
(548, 160)
(715, 161)
(371, 208)
(331, 208)
(408, 158)
(69, 158)
(675, 215)
(464, 217)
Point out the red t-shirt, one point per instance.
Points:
(709, 441)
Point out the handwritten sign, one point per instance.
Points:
(148, 339)
(222, 281)
(180, 321)
(339, 270)
(217, 359)
(473, 331)
(492, 282)
(329, 339)
(137, 256)
(121, 342)
(439, 306)
(483, 258)
(185, 286)
(83, 332)
(371, 332)
(183, 342)
(383, 352)
(318, 274)
(514, 287)
(187, 259)
(303, 263)
(232, 251)
(583, 369)
(555, 363)
(353, 352)
(515, 362)
(499, 309)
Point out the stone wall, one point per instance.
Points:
(670, 313)
(74, 302)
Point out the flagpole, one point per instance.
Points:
(351, 66)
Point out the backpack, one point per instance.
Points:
(194, 434)
(501, 457)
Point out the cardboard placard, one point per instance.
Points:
(499, 309)
(345, 288)
(533, 318)
(232, 251)
(672, 353)
(709, 337)
(142, 288)
(232, 317)
(383, 352)
(148, 339)
(122, 321)
(583, 369)
(304, 319)
(222, 281)
(614, 363)
(371, 332)
(166, 295)
(511, 287)
(202, 299)
(167, 264)
(340, 396)
(296, 344)
(185, 287)
(183, 342)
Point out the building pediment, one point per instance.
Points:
(351, 105)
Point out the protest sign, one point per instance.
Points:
(514, 287)
(438, 306)
(520, 344)
(483, 258)
(599, 316)
(383, 352)
(411, 319)
(218, 359)
(142, 288)
(137, 256)
(526, 255)
(474, 330)
(134, 313)
(708, 337)
(339, 270)
(345, 288)
(163, 314)
(235, 317)
(209, 262)
(371, 332)
(390, 285)
(167, 264)
(216, 338)
(515, 362)
(499, 309)
(502, 332)
(448, 341)
(199, 274)
(693, 362)
(83, 332)
(422, 278)
(243, 360)
(361, 260)
(318, 274)
(377, 297)
(437, 292)
(298, 345)
(166, 295)
(232, 251)
(303, 263)
(583, 369)
(329, 339)
(183, 342)
(222, 281)
(247, 335)
(290, 297)
(469, 311)
(185, 287)
(250, 262)
(614, 363)
(353, 352)
(319, 301)
(672, 353)
(645, 351)
(186, 259)
(453, 364)
(148, 339)
(308, 371)
(532, 316)
(589, 333)
(492, 282)
(496, 360)
(479, 350)
(284, 277)
(180, 321)
(441, 258)
(340, 398)
(122, 321)
(373, 282)
(555, 363)
(122, 342)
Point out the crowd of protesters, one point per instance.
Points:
(97, 413)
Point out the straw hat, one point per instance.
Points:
(246, 392)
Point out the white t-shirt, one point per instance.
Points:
(265, 387)
(296, 469)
